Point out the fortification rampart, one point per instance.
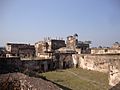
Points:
(96, 62)
(15, 64)
(114, 72)
(107, 63)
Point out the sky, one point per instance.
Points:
(29, 21)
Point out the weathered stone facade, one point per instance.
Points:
(78, 46)
(10, 64)
(71, 42)
(65, 60)
(45, 49)
(15, 64)
(107, 63)
(21, 50)
(54, 54)
(105, 50)
(114, 72)
(94, 62)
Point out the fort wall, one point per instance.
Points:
(14, 64)
(96, 62)
(114, 72)
(107, 63)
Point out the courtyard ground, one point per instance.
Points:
(78, 79)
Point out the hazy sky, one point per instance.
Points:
(31, 20)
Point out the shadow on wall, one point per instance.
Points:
(10, 65)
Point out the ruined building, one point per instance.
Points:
(100, 59)
(114, 73)
(54, 54)
(105, 50)
(20, 50)
(61, 52)
(78, 46)
(45, 49)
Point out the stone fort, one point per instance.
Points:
(52, 54)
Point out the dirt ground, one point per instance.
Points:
(20, 81)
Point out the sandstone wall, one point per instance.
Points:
(14, 64)
(36, 65)
(108, 63)
(114, 72)
(94, 62)
(65, 61)
(105, 51)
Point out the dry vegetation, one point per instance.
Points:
(79, 79)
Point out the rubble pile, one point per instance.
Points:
(19, 81)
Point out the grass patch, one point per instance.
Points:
(79, 79)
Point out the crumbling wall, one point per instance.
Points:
(65, 61)
(108, 63)
(37, 65)
(20, 50)
(14, 64)
(105, 50)
(10, 65)
(94, 62)
(114, 72)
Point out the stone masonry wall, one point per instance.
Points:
(16, 65)
(107, 63)
(10, 65)
(114, 72)
(94, 62)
